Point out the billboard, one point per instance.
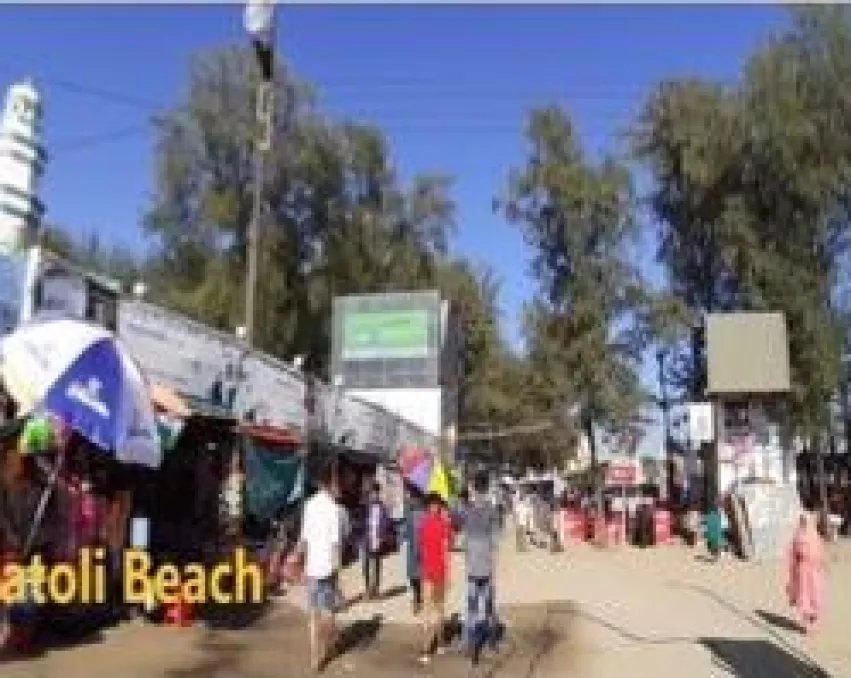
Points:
(372, 335)
(389, 340)
(748, 353)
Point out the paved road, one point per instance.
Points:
(586, 612)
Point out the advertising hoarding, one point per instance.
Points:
(388, 340)
(372, 335)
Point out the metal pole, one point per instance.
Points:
(254, 225)
(260, 24)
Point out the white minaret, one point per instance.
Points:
(22, 163)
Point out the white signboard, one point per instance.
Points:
(63, 293)
(773, 511)
(700, 422)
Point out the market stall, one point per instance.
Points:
(84, 425)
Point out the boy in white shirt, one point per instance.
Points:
(321, 543)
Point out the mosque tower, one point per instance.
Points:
(22, 163)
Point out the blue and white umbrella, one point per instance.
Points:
(81, 373)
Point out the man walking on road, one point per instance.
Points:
(321, 543)
(481, 525)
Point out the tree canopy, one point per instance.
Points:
(751, 193)
(749, 198)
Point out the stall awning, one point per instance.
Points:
(271, 436)
(169, 401)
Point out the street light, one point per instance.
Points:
(259, 20)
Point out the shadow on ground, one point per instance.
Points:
(360, 634)
(759, 659)
(394, 592)
(779, 621)
(234, 617)
(371, 648)
(60, 629)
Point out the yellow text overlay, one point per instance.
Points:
(237, 581)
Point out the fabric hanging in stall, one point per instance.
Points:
(272, 479)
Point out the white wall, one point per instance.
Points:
(420, 406)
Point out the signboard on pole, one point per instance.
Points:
(622, 472)
(700, 423)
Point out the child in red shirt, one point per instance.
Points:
(434, 537)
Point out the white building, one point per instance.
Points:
(22, 164)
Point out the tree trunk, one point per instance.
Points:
(595, 465)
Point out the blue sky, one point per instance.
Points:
(448, 84)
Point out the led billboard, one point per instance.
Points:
(371, 335)
(387, 340)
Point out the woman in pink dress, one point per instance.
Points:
(806, 572)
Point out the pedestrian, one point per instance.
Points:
(806, 572)
(321, 546)
(522, 521)
(375, 537)
(481, 526)
(714, 533)
(435, 534)
(412, 519)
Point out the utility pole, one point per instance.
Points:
(260, 25)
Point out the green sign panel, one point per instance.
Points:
(374, 335)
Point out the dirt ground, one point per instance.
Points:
(585, 612)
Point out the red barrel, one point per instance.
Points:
(574, 524)
(662, 532)
(615, 529)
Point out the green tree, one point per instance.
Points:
(751, 192)
(89, 254)
(585, 339)
(337, 220)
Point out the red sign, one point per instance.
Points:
(621, 474)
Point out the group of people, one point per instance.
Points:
(429, 527)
